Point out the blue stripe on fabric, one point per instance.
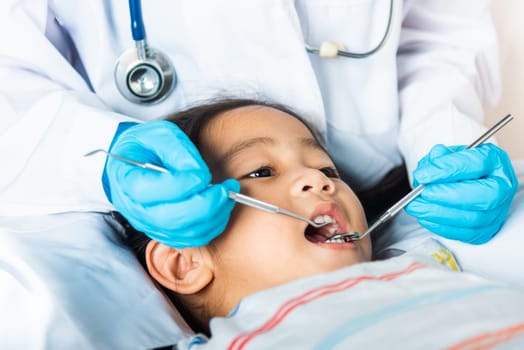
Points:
(197, 340)
(360, 323)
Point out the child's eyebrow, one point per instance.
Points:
(311, 142)
(242, 146)
(308, 142)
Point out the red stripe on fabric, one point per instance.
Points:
(489, 339)
(241, 341)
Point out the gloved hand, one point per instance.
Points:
(467, 192)
(177, 208)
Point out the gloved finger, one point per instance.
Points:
(450, 216)
(440, 150)
(505, 169)
(472, 235)
(478, 195)
(484, 160)
(159, 141)
(149, 187)
(196, 235)
(436, 151)
(216, 225)
(191, 211)
(202, 232)
(466, 164)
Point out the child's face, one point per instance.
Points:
(276, 159)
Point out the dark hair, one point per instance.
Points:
(192, 121)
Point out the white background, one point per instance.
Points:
(508, 19)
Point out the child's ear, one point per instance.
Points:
(184, 271)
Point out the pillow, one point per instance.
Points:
(67, 283)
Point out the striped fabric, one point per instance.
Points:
(408, 302)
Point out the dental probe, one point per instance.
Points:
(395, 208)
(127, 160)
(255, 203)
(237, 197)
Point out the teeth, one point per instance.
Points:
(333, 228)
(330, 229)
(335, 240)
(343, 239)
(323, 219)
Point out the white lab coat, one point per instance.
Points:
(58, 101)
(426, 86)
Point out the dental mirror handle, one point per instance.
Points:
(395, 208)
(258, 204)
(252, 202)
(271, 208)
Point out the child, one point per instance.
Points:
(264, 270)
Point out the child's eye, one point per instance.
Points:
(330, 172)
(261, 172)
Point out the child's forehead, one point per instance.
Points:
(257, 120)
(250, 128)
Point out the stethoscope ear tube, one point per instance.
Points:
(146, 75)
(143, 74)
(137, 24)
(329, 49)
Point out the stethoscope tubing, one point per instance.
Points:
(379, 45)
(138, 30)
(133, 66)
(360, 55)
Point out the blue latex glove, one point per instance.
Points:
(179, 208)
(467, 192)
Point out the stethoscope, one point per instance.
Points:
(143, 74)
(146, 75)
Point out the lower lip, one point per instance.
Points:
(345, 245)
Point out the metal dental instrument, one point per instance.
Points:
(237, 197)
(255, 203)
(395, 208)
(127, 160)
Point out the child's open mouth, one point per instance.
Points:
(322, 234)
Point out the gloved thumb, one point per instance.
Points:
(231, 185)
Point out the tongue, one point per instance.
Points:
(316, 238)
(318, 235)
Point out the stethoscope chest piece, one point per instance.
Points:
(145, 79)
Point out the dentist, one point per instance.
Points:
(434, 69)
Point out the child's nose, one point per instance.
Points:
(313, 181)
